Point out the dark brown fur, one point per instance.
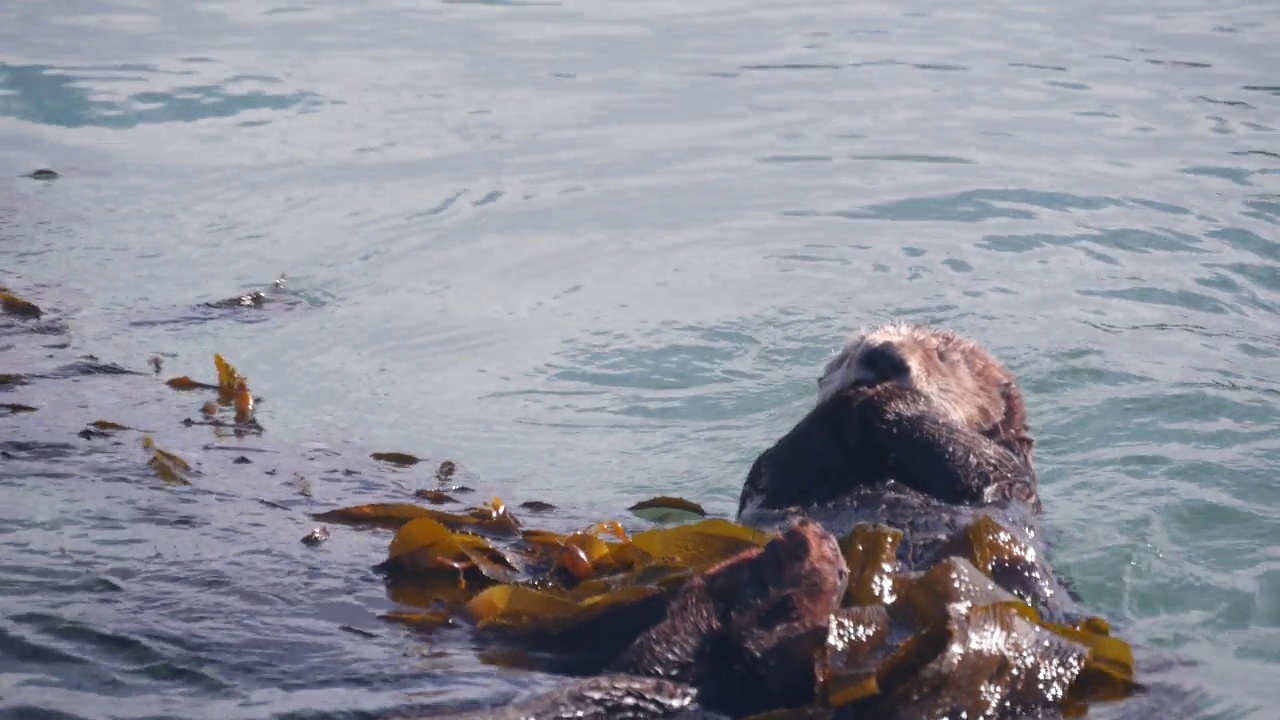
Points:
(745, 632)
(922, 407)
(963, 380)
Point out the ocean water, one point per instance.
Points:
(594, 252)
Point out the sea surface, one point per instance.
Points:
(594, 252)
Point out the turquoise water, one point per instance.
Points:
(594, 252)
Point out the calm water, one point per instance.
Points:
(596, 251)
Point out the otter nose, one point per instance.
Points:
(884, 362)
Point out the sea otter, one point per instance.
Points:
(916, 429)
(922, 430)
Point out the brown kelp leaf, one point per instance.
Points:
(227, 374)
(584, 555)
(870, 552)
(435, 591)
(847, 664)
(209, 409)
(169, 467)
(396, 458)
(12, 379)
(536, 506)
(984, 542)
(925, 599)
(523, 609)
(574, 561)
(699, 544)
(15, 305)
(494, 518)
(519, 607)
(483, 519)
(15, 408)
(1108, 670)
(386, 515)
(667, 509)
(610, 527)
(243, 401)
(107, 425)
(435, 497)
(987, 657)
(186, 383)
(424, 545)
(417, 533)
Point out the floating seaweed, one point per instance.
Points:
(15, 408)
(102, 429)
(435, 497)
(15, 305)
(168, 466)
(396, 458)
(665, 509)
(902, 644)
(233, 392)
(186, 383)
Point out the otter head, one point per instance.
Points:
(960, 378)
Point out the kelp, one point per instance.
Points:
(102, 429)
(14, 305)
(481, 566)
(396, 458)
(903, 644)
(186, 383)
(665, 509)
(168, 466)
(233, 392)
(491, 518)
(15, 408)
(435, 497)
(964, 644)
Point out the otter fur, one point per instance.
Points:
(921, 407)
(963, 381)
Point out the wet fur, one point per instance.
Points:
(923, 407)
(964, 382)
(745, 632)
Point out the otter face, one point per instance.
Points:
(962, 380)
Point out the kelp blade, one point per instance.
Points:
(666, 509)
